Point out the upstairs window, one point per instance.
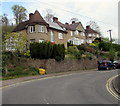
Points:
(71, 33)
(42, 28)
(76, 32)
(60, 35)
(52, 36)
(32, 29)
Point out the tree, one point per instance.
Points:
(4, 20)
(94, 26)
(49, 15)
(19, 13)
(16, 41)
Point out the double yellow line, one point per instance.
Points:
(109, 89)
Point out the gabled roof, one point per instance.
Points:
(90, 30)
(73, 26)
(36, 18)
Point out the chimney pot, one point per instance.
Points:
(87, 27)
(30, 16)
(67, 23)
(55, 19)
(73, 22)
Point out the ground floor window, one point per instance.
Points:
(32, 40)
(41, 40)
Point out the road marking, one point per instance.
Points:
(54, 76)
(32, 80)
(109, 89)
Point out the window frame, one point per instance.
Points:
(42, 28)
(60, 35)
(32, 28)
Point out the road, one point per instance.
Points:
(75, 88)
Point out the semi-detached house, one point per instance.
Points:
(39, 30)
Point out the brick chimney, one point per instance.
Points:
(66, 23)
(30, 16)
(55, 19)
(73, 22)
(87, 27)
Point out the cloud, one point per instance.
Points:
(104, 12)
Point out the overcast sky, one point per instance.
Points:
(103, 12)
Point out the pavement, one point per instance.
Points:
(73, 88)
(22, 79)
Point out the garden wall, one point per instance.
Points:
(53, 66)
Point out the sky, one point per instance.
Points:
(103, 12)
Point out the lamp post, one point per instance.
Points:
(110, 35)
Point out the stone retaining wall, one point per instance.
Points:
(53, 66)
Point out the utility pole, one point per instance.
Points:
(110, 35)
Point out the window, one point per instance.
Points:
(76, 32)
(41, 40)
(32, 40)
(42, 28)
(71, 33)
(60, 35)
(90, 34)
(90, 41)
(82, 41)
(52, 36)
(83, 34)
(32, 29)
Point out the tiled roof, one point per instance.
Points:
(55, 26)
(20, 26)
(90, 30)
(36, 18)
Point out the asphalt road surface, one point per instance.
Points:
(76, 88)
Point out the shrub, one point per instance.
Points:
(74, 50)
(58, 52)
(46, 50)
(81, 47)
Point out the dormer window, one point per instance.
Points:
(42, 28)
(32, 29)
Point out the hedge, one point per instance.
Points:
(46, 50)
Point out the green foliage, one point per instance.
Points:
(17, 41)
(118, 54)
(27, 53)
(58, 52)
(19, 72)
(69, 44)
(74, 51)
(81, 47)
(111, 54)
(19, 13)
(89, 56)
(106, 46)
(46, 50)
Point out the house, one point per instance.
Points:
(91, 34)
(39, 30)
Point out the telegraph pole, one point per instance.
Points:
(110, 35)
